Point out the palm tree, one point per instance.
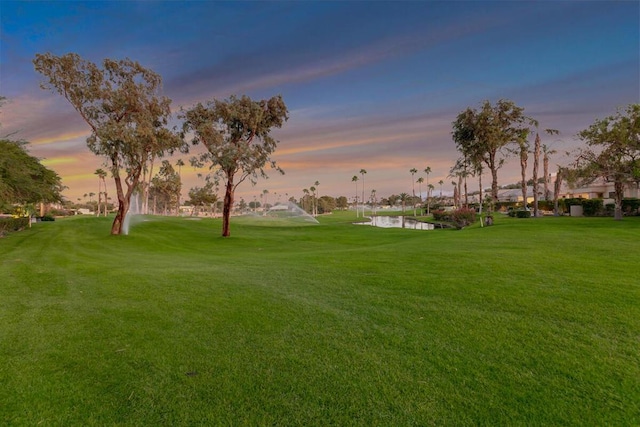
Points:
(305, 198)
(403, 198)
(427, 170)
(264, 196)
(313, 200)
(441, 182)
(456, 194)
(180, 164)
(420, 181)
(355, 179)
(317, 184)
(374, 201)
(362, 172)
(430, 188)
(546, 152)
(413, 171)
(101, 179)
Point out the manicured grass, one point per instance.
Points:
(528, 322)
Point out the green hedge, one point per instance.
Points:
(8, 225)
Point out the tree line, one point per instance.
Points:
(128, 117)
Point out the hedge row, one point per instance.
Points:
(8, 225)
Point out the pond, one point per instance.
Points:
(397, 222)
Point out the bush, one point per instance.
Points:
(592, 207)
(522, 214)
(631, 206)
(8, 225)
(47, 218)
(440, 215)
(463, 217)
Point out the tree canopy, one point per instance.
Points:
(613, 151)
(237, 136)
(483, 135)
(23, 179)
(121, 104)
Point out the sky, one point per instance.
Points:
(369, 85)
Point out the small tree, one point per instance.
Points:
(237, 135)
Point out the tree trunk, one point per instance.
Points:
(228, 204)
(619, 192)
(480, 198)
(556, 192)
(547, 178)
(523, 173)
(536, 156)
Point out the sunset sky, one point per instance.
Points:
(371, 85)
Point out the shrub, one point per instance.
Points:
(631, 206)
(13, 224)
(463, 217)
(440, 215)
(523, 214)
(592, 207)
(47, 218)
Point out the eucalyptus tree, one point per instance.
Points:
(613, 152)
(203, 196)
(484, 135)
(126, 115)
(362, 174)
(355, 180)
(237, 136)
(166, 187)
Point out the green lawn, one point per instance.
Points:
(528, 322)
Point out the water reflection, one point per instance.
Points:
(397, 222)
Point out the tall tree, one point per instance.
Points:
(102, 189)
(316, 185)
(536, 160)
(484, 134)
(362, 174)
(165, 188)
(420, 181)
(546, 153)
(121, 104)
(524, 156)
(613, 152)
(237, 135)
(180, 164)
(314, 208)
(355, 180)
(413, 171)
